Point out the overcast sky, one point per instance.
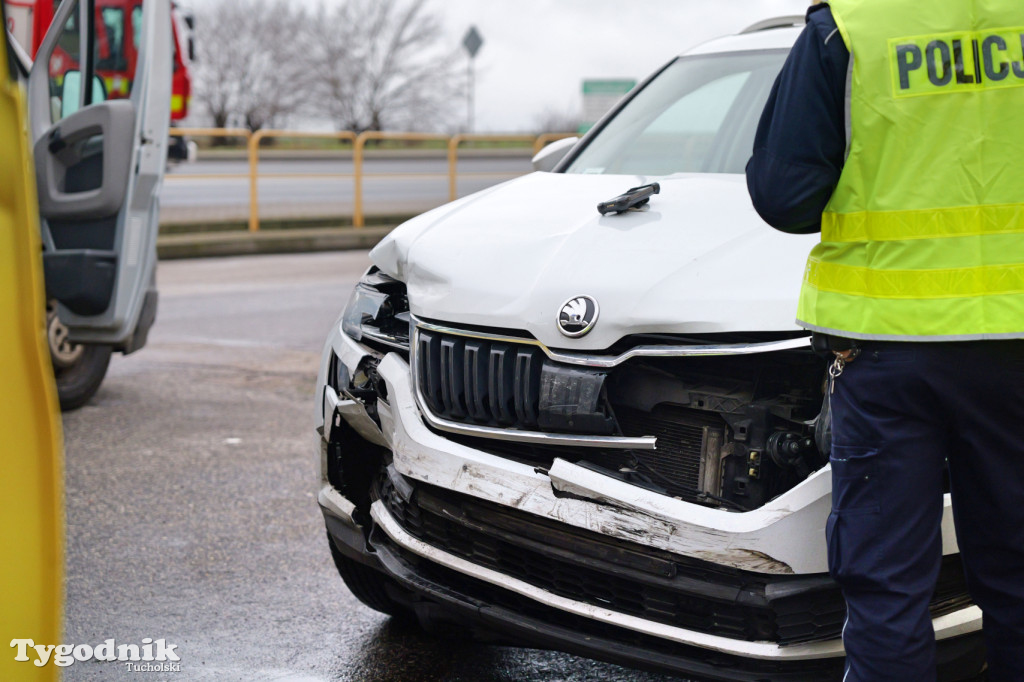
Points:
(537, 52)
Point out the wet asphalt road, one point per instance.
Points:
(190, 499)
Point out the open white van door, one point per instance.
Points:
(99, 167)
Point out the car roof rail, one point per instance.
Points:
(776, 22)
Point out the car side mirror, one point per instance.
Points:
(72, 89)
(547, 158)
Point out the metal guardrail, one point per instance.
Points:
(254, 162)
(359, 142)
(244, 133)
(453, 154)
(358, 217)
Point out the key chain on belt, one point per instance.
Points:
(842, 359)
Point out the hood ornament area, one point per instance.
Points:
(577, 316)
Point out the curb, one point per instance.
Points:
(217, 244)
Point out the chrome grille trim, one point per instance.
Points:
(608, 362)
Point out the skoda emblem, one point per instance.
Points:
(577, 316)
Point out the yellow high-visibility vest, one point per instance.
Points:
(923, 238)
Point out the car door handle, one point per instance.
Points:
(56, 143)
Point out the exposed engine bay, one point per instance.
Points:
(732, 431)
(746, 423)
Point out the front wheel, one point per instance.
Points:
(370, 587)
(78, 368)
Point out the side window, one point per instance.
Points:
(66, 57)
(115, 57)
(65, 74)
(110, 52)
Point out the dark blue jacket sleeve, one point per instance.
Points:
(800, 143)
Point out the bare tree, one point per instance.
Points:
(383, 65)
(365, 64)
(254, 69)
(336, 42)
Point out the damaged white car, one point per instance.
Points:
(604, 433)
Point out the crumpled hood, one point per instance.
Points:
(698, 260)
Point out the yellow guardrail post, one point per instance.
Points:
(453, 166)
(357, 180)
(358, 218)
(254, 180)
(453, 154)
(254, 162)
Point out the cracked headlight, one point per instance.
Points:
(377, 313)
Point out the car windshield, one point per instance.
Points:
(699, 115)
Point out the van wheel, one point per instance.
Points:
(370, 586)
(78, 368)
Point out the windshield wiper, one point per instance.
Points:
(633, 198)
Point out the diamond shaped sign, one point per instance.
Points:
(472, 42)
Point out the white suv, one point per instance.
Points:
(604, 433)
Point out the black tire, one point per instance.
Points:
(79, 381)
(370, 586)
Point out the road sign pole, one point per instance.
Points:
(469, 94)
(472, 42)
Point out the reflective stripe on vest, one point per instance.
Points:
(924, 235)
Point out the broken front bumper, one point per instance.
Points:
(688, 588)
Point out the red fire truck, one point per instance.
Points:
(116, 44)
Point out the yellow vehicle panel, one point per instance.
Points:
(31, 488)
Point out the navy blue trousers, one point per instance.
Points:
(900, 412)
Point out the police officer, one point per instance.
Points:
(896, 128)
